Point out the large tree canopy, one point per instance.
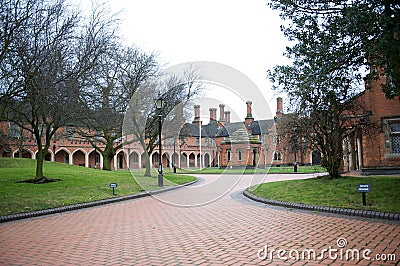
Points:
(47, 49)
(335, 43)
(356, 34)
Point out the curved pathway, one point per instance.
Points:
(209, 223)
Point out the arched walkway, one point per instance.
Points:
(62, 156)
(316, 158)
(183, 161)
(78, 158)
(134, 160)
(25, 154)
(206, 160)
(95, 160)
(192, 160)
(121, 161)
(165, 160)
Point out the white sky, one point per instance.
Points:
(242, 34)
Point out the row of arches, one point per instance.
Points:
(123, 159)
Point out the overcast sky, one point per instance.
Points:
(241, 34)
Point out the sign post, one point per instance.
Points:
(364, 188)
(113, 186)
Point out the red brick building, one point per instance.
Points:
(376, 149)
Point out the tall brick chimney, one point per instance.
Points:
(222, 112)
(213, 115)
(249, 117)
(196, 119)
(228, 116)
(279, 107)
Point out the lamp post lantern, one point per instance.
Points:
(159, 106)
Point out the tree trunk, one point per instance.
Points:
(39, 177)
(107, 162)
(148, 169)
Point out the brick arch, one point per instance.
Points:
(78, 157)
(134, 160)
(121, 156)
(26, 153)
(192, 160)
(95, 159)
(47, 156)
(62, 155)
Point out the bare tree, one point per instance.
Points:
(119, 74)
(141, 120)
(46, 57)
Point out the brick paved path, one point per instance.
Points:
(231, 230)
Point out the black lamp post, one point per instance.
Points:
(159, 106)
(173, 159)
(295, 129)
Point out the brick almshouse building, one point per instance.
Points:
(249, 143)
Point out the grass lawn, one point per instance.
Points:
(271, 170)
(342, 192)
(76, 185)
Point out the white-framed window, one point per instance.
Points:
(394, 135)
(228, 155)
(277, 156)
(239, 154)
(135, 157)
(391, 129)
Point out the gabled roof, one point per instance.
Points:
(211, 130)
(256, 127)
(240, 136)
(192, 130)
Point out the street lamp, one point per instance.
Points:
(295, 132)
(159, 106)
(173, 158)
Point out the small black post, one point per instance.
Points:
(113, 191)
(173, 159)
(364, 199)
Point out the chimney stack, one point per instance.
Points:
(228, 116)
(249, 118)
(279, 107)
(249, 112)
(213, 115)
(197, 115)
(222, 113)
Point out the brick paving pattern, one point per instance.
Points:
(228, 231)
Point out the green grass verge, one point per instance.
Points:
(341, 192)
(76, 185)
(271, 170)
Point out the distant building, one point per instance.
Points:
(222, 143)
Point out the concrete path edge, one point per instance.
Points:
(25, 215)
(315, 208)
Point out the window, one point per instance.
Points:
(228, 155)
(391, 129)
(69, 132)
(197, 141)
(239, 154)
(277, 156)
(135, 157)
(96, 158)
(156, 158)
(277, 139)
(13, 130)
(394, 136)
